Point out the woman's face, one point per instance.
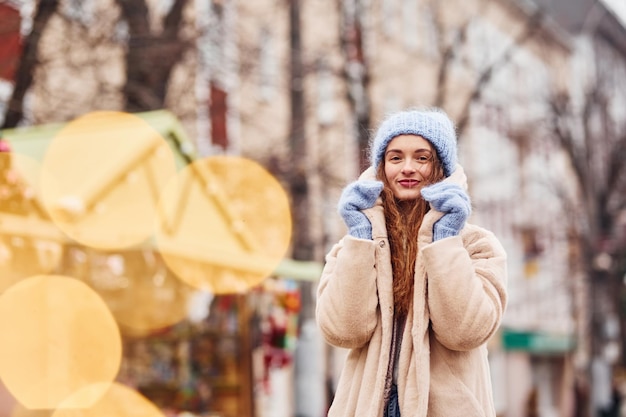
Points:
(408, 164)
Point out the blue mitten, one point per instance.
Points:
(358, 196)
(453, 201)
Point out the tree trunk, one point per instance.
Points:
(27, 64)
(150, 57)
(356, 74)
(309, 369)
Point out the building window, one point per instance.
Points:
(218, 111)
(409, 17)
(267, 66)
(10, 41)
(388, 13)
(477, 39)
(429, 32)
(325, 94)
(215, 77)
(532, 250)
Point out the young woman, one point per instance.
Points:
(413, 290)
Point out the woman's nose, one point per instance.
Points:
(408, 167)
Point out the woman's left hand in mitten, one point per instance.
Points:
(453, 201)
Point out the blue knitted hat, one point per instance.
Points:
(433, 125)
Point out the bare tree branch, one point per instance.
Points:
(616, 170)
(172, 22)
(559, 105)
(150, 57)
(356, 74)
(447, 57)
(530, 29)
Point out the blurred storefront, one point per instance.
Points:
(540, 370)
(235, 362)
(190, 351)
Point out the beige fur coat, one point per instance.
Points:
(459, 300)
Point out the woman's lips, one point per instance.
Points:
(409, 183)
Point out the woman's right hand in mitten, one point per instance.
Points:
(357, 196)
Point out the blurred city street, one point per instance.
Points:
(169, 179)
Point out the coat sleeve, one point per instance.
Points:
(346, 308)
(466, 288)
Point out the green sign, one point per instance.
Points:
(537, 342)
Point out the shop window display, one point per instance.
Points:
(224, 365)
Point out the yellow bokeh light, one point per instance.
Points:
(101, 179)
(118, 401)
(58, 337)
(30, 244)
(28, 171)
(136, 285)
(20, 411)
(224, 224)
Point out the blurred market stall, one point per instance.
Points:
(188, 254)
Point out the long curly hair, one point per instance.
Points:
(403, 219)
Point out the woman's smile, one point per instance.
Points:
(409, 183)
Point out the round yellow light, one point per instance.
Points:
(118, 401)
(224, 224)
(19, 410)
(101, 177)
(136, 288)
(58, 337)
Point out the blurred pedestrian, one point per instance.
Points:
(613, 408)
(532, 403)
(581, 398)
(413, 290)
